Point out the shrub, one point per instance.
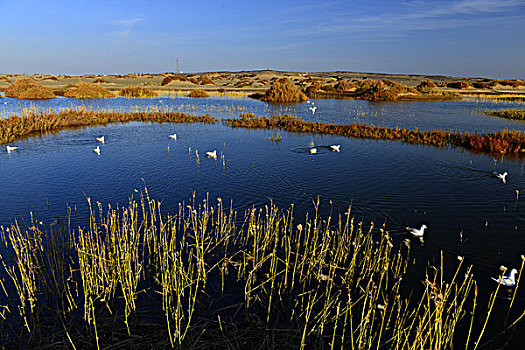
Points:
(377, 90)
(51, 78)
(314, 87)
(458, 85)
(28, 88)
(137, 91)
(170, 78)
(283, 91)
(87, 90)
(205, 80)
(328, 88)
(481, 85)
(517, 114)
(6, 79)
(513, 83)
(344, 85)
(100, 80)
(426, 85)
(198, 94)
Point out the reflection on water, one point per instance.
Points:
(466, 115)
(467, 211)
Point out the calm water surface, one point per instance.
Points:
(468, 212)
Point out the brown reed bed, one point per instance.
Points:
(202, 278)
(28, 88)
(492, 142)
(137, 91)
(39, 123)
(505, 142)
(512, 113)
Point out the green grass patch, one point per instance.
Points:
(513, 113)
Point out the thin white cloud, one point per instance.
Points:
(419, 15)
(125, 26)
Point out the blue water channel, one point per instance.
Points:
(469, 213)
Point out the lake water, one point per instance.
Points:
(468, 212)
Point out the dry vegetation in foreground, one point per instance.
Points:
(28, 88)
(199, 278)
(284, 91)
(198, 94)
(87, 90)
(137, 91)
(514, 113)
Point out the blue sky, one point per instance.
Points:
(479, 38)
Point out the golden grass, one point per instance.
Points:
(38, 123)
(201, 277)
(87, 90)
(198, 94)
(506, 142)
(137, 91)
(284, 91)
(513, 113)
(28, 88)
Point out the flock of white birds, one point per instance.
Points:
(507, 281)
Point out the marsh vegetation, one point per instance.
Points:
(209, 277)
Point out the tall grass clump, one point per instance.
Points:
(378, 90)
(205, 80)
(459, 85)
(284, 91)
(39, 123)
(507, 141)
(426, 85)
(137, 91)
(28, 88)
(207, 277)
(198, 94)
(87, 90)
(513, 113)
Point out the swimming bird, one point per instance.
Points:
(417, 232)
(97, 150)
(502, 177)
(508, 281)
(313, 109)
(212, 154)
(10, 148)
(308, 101)
(173, 136)
(335, 148)
(101, 139)
(313, 150)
